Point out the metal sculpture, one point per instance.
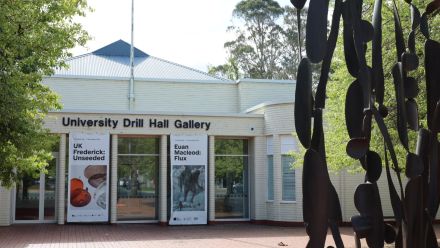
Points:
(414, 205)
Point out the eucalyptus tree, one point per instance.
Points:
(265, 44)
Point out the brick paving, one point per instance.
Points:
(143, 235)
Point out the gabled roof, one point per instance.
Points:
(113, 61)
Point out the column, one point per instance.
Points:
(114, 179)
(260, 178)
(61, 180)
(211, 178)
(163, 175)
(277, 177)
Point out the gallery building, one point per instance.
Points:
(245, 129)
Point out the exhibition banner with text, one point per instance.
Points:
(189, 157)
(88, 177)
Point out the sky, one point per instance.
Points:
(191, 32)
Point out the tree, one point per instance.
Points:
(229, 70)
(290, 56)
(266, 44)
(258, 48)
(291, 46)
(34, 39)
(337, 136)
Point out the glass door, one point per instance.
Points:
(27, 198)
(35, 196)
(138, 164)
(137, 191)
(231, 179)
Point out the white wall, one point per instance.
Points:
(254, 93)
(88, 94)
(186, 97)
(279, 121)
(346, 184)
(5, 206)
(178, 96)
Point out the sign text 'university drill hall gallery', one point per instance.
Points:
(138, 122)
(176, 147)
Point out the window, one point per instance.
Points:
(288, 145)
(270, 190)
(231, 179)
(288, 178)
(138, 163)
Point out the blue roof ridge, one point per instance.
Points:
(192, 69)
(119, 48)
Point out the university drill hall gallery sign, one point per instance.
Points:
(109, 122)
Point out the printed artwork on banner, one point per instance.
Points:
(188, 188)
(88, 177)
(189, 158)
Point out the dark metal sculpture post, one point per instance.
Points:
(415, 204)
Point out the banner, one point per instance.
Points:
(88, 177)
(189, 157)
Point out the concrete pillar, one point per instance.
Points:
(163, 175)
(114, 179)
(211, 178)
(61, 180)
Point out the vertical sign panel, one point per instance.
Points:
(88, 177)
(189, 157)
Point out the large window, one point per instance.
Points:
(288, 145)
(35, 194)
(231, 179)
(138, 163)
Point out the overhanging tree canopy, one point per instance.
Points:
(34, 39)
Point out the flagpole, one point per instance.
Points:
(131, 86)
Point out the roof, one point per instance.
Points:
(113, 61)
(119, 48)
(278, 81)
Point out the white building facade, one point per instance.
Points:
(248, 124)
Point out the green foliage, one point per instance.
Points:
(34, 38)
(229, 160)
(291, 49)
(266, 43)
(137, 158)
(258, 12)
(229, 70)
(336, 134)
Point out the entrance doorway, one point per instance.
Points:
(138, 166)
(231, 179)
(35, 196)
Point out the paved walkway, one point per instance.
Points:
(141, 235)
